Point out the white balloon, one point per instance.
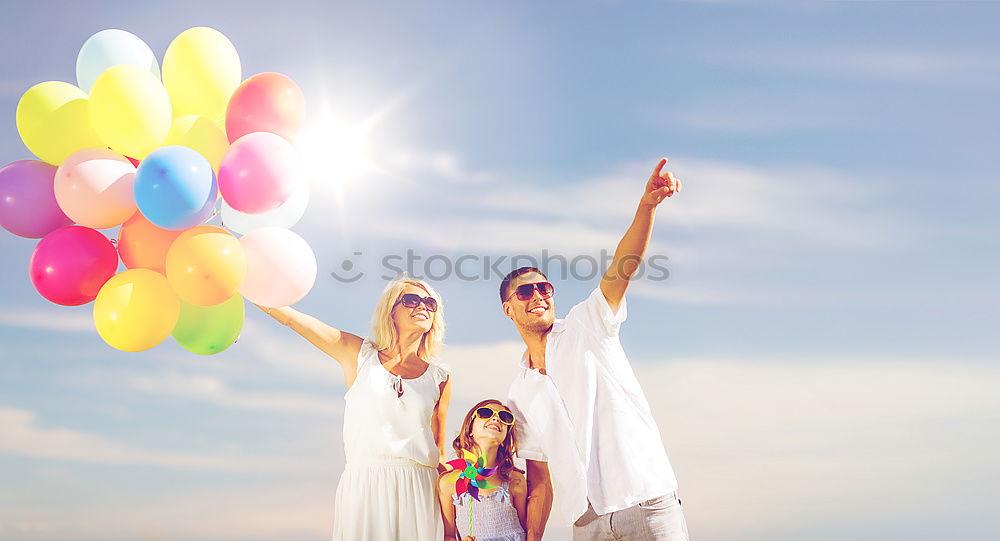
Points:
(281, 267)
(110, 48)
(285, 216)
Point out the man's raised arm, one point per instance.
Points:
(632, 247)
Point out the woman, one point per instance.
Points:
(394, 418)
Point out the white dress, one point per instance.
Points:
(388, 491)
(492, 518)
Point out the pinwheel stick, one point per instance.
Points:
(474, 476)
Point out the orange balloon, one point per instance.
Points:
(206, 265)
(142, 245)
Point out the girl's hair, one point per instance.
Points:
(384, 332)
(506, 450)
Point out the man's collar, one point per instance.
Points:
(557, 326)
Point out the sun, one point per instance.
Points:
(336, 151)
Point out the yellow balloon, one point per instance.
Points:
(201, 134)
(206, 265)
(130, 110)
(201, 69)
(54, 122)
(136, 310)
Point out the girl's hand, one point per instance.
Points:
(468, 538)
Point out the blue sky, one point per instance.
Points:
(821, 361)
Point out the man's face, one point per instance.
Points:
(536, 314)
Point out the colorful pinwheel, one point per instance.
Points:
(473, 475)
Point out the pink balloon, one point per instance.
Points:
(70, 265)
(257, 173)
(94, 188)
(269, 102)
(281, 267)
(28, 206)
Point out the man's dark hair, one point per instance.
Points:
(514, 274)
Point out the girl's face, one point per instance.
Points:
(492, 428)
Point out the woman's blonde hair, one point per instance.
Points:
(384, 332)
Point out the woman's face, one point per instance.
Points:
(490, 429)
(417, 319)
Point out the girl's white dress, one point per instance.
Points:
(493, 516)
(388, 491)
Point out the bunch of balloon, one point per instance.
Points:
(158, 154)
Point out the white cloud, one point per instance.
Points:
(215, 390)
(765, 219)
(293, 510)
(675, 293)
(24, 436)
(63, 318)
(479, 372)
(766, 114)
(955, 68)
(773, 443)
(488, 235)
(820, 434)
(436, 164)
(807, 204)
(290, 354)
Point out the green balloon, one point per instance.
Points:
(207, 330)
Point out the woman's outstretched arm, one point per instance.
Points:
(342, 346)
(446, 489)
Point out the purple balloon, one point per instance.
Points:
(28, 206)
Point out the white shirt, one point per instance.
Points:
(588, 418)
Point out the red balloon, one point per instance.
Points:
(269, 102)
(70, 265)
(131, 160)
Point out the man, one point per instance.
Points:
(584, 423)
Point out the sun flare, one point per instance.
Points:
(336, 151)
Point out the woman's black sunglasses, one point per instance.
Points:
(411, 300)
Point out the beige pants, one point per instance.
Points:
(658, 519)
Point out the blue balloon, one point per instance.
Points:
(175, 188)
(110, 48)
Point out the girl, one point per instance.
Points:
(499, 515)
(394, 415)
